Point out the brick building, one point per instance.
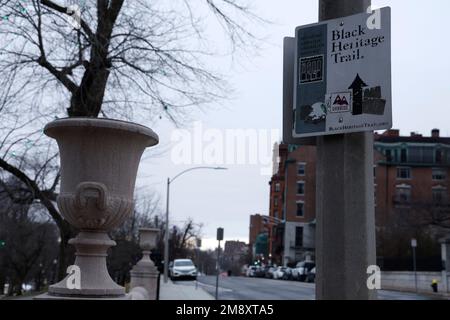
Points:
(234, 255)
(410, 172)
(298, 212)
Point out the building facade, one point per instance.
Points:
(294, 233)
(410, 173)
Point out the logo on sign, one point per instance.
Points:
(339, 102)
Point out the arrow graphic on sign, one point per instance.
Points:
(357, 86)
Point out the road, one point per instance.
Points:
(242, 288)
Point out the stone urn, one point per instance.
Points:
(147, 242)
(99, 163)
(144, 274)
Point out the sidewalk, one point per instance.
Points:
(180, 291)
(432, 295)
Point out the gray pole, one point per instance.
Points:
(345, 200)
(166, 237)
(415, 267)
(217, 273)
(286, 184)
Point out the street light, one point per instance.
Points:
(166, 238)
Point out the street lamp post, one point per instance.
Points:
(166, 237)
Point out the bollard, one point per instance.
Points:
(434, 285)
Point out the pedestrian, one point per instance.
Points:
(434, 285)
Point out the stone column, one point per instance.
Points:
(144, 274)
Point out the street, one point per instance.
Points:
(243, 288)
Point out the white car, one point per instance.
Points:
(251, 271)
(183, 268)
(279, 273)
(301, 270)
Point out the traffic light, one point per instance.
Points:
(2, 243)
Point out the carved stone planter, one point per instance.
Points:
(144, 274)
(99, 163)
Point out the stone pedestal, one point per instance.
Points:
(144, 274)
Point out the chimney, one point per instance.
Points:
(435, 133)
(392, 133)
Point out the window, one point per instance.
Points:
(389, 155)
(275, 202)
(438, 156)
(299, 236)
(301, 188)
(403, 194)
(300, 209)
(403, 156)
(404, 173)
(301, 169)
(277, 187)
(420, 154)
(439, 174)
(439, 195)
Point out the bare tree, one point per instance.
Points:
(148, 214)
(27, 234)
(125, 57)
(182, 238)
(126, 60)
(26, 155)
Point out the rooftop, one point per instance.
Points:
(393, 136)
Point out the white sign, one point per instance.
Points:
(414, 243)
(342, 78)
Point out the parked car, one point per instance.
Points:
(311, 277)
(251, 271)
(260, 272)
(301, 270)
(279, 272)
(269, 272)
(183, 268)
(287, 274)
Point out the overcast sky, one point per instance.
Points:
(421, 102)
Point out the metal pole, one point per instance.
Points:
(198, 268)
(166, 237)
(158, 286)
(344, 199)
(415, 267)
(218, 271)
(285, 246)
